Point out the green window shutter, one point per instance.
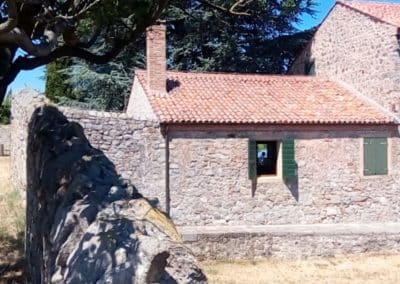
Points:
(381, 153)
(375, 156)
(289, 168)
(252, 159)
(369, 157)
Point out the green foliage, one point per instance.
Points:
(200, 38)
(56, 86)
(207, 39)
(5, 110)
(103, 87)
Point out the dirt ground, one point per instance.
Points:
(4, 174)
(11, 228)
(366, 269)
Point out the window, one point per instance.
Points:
(272, 158)
(267, 157)
(375, 156)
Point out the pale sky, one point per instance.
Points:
(35, 78)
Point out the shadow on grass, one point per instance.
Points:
(12, 263)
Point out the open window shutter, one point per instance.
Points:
(381, 163)
(289, 168)
(369, 157)
(252, 159)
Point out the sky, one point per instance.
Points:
(35, 78)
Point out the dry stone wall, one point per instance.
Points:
(358, 50)
(136, 147)
(5, 137)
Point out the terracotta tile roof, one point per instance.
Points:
(386, 12)
(258, 99)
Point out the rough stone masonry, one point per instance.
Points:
(85, 224)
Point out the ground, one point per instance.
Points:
(383, 268)
(366, 269)
(11, 228)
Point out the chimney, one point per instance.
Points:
(156, 57)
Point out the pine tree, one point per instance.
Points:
(57, 87)
(201, 37)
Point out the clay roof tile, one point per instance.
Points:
(259, 99)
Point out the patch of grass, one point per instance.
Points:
(12, 227)
(4, 175)
(12, 214)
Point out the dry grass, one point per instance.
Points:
(12, 226)
(11, 204)
(4, 174)
(347, 269)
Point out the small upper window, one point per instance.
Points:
(267, 157)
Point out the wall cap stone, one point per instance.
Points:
(191, 233)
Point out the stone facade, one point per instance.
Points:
(5, 137)
(210, 184)
(358, 50)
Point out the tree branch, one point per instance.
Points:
(232, 9)
(241, 4)
(21, 39)
(12, 20)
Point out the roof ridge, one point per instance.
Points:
(369, 101)
(236, 74)
(366, 2)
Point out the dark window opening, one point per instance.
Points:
(267, 157)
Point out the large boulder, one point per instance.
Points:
(85, 224)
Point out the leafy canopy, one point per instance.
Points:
(258, 37)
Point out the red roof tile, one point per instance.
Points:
(258, 99)
(386, 12)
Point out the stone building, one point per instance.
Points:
(260, 165)
(259, 150)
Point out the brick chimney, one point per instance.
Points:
(156, 57)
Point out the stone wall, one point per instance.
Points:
(22, 107)
(210, 184)
(5, 137)
(356, 49)
(291, 241)
(136, 147)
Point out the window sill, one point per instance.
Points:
(375, 176)
(270, 178)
